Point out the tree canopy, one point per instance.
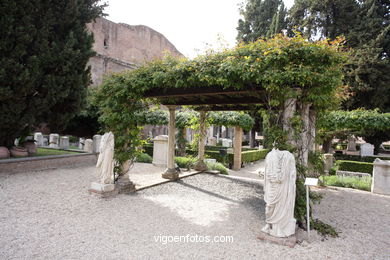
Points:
(44, 50)
(372, 125)
(261, 18)
(366, 28)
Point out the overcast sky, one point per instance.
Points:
(191, 25)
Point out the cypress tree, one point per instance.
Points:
(44, 50)
(261, 18)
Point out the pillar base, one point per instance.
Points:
(124, 185)
(171, 174)
(200, 166)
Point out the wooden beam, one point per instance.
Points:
(227, 107)
(213, 101)
(199, 91)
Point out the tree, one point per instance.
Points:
(44, 50)
(323, 18)
(261, 18)
(366, 27)
(372, 125)
(368, 72)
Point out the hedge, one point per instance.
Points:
(252, 156)
(352, 166)
(356, 158)
(246, 156)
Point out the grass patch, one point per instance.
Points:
(360, 183)
(47, 151)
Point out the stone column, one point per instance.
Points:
(200, 165)
(171, 172)
(237, 148)
(290, 107)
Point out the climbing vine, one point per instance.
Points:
(285, 68)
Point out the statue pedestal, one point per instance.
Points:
(284, 241)
(103, 190)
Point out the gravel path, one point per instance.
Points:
(251, 170)
(50, 215)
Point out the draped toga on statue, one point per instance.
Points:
(279, 193)
(105, 163)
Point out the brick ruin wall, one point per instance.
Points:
(124, 47)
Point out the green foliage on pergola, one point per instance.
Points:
(186, 119)
(266, 72)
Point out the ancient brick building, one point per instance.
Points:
(121, 46)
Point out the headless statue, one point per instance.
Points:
(105, 163)
(279, 193)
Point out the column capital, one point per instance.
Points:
(171, 107)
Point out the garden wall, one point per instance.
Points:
(41, 163)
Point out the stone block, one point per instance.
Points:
(366, 149)
(210, 160)
(96, 143)
(212, 141)
(103, 190)
(381, 177)
(38, 137)
(81, 143)
(351, 144)
(284, 241)
(160, 151)
(227, 142)
(54, 140)
(328, 161)
(64, 142)
(88, 146)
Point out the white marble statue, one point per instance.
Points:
(105, 163)
(279, 193)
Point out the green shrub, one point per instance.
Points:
(332, 171)
(185, 162)
(353, 166)
(360, 183)
(73, 139)
(253, 155)
(144, 158)
(148, 148)
(218, 167)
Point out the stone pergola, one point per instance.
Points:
(205, 99)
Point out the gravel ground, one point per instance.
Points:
(251, 170)
(50, 215)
